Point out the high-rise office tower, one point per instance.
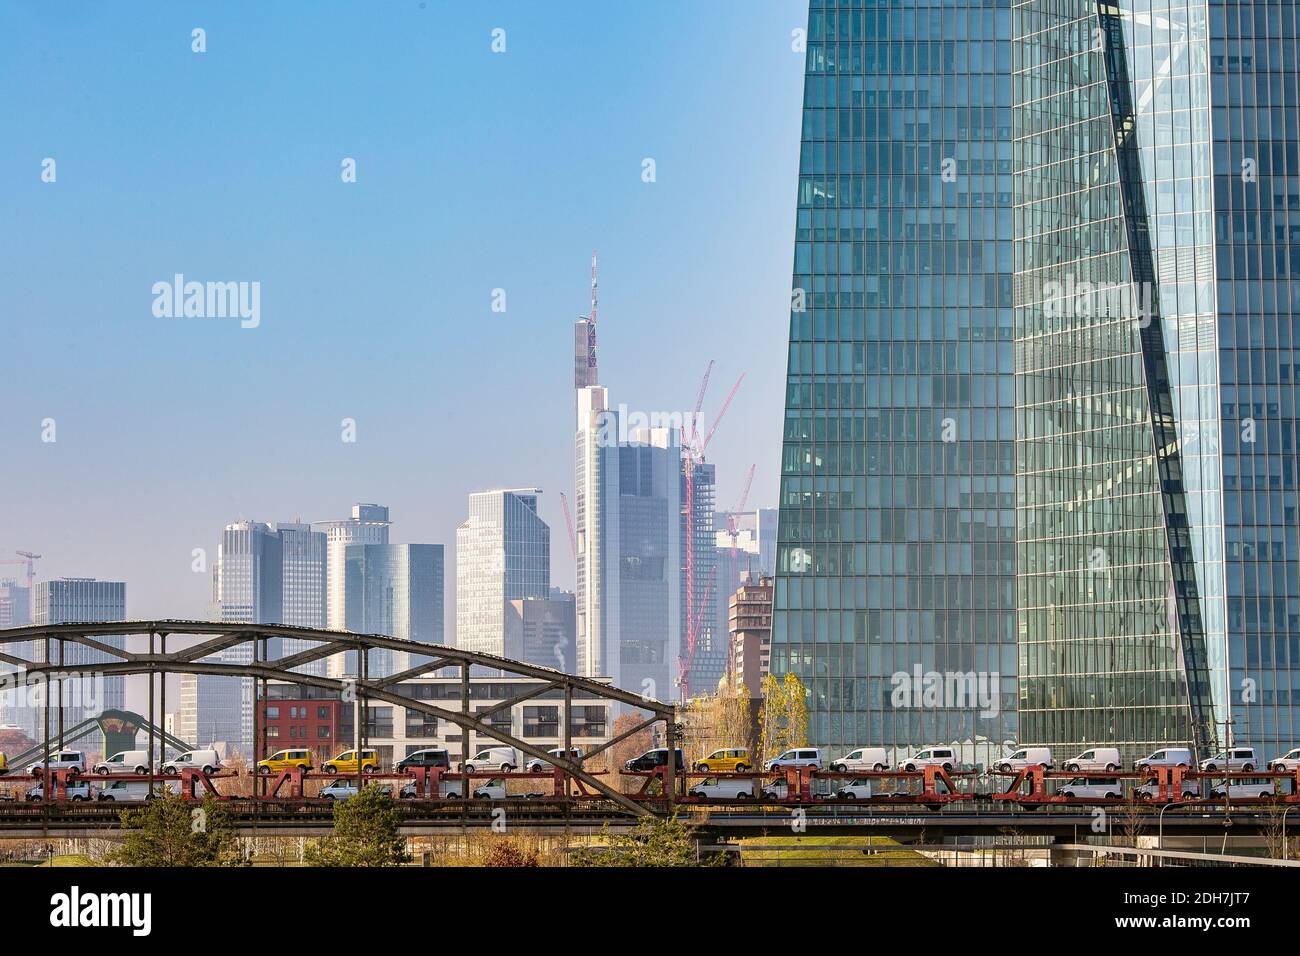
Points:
(15, 604)
(395, 590)
(596, 530)
(628, 526)
(896, 551)
(15, 611)
(749, 623)
(303, 586)
(503, 554)
(541, 630)
(68, 600)
(368, 524)
(708, 659)
(1155, 328)
(745, 546)
(249, 588)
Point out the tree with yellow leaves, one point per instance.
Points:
(784, 715)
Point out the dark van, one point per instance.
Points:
(653, 759)
(425, 758)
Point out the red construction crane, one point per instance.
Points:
(692, 457)
(568, 520)
(734, 514)
(28, 558)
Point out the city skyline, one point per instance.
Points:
(383, 337)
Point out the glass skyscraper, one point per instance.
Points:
(68, 600)
(896, 541)
(1041, 404)
(395, 590)
(1157, 175)
(708, 661)
(503, 554)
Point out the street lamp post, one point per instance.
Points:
(1160, 835)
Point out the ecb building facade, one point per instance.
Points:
(1039, 462)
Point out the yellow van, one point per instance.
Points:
(346, 762)
(282, 760)
(4, 764)
(726, 761)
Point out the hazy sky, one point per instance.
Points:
(476, 171)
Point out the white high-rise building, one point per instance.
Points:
(263, 575)
(369, 524)
(503, 554)
(629, 564)
(248, 588)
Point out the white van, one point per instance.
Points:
(1093, 789)
(209, 761)
(862, 760)
(1025, 757)
(1235, 758)
(1287, 762)
(1244, 790)
(130, 790)
(78, 792)
(1169, 757)
(716, 788)
(447, 790)
(128, 761)
(538, 765)
(944, 757)
(855, 790)
(799, 757)
(61, 760)
(1099, 758)
(504, 759)
(1151, 791)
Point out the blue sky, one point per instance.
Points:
(476, 171)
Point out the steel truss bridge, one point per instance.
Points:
(275, 818)
(253, 642)
(931, 802)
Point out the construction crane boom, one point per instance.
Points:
(725, 405)
(568, 520)
(692, 457)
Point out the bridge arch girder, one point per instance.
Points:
(218, 637)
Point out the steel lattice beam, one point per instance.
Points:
(221, 637)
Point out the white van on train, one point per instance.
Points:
(503, 759)
(1025, 757)
(209, 761)
(1092, 789)
(944, 757)
(862, 760)
(1098, 758)
(127, 761)
(1168, 757)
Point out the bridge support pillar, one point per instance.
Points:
(1058, 855)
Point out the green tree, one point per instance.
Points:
(784, 715)
(367, 832)
(716, 721)
(171, 831)
(655, 842)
